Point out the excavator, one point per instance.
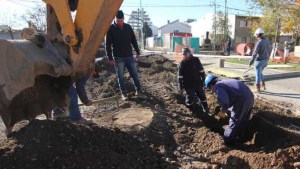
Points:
(36, 73)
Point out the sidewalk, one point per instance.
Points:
(282, 86)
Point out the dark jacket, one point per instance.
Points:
(120, 40)
(190, 73)
(261, 50)
(233, 93)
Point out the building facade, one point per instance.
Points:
(242, 33)
(174, 27)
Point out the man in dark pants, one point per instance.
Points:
(191, 77)
(121, 37)
(237, 99)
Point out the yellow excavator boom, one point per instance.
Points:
(35, 74)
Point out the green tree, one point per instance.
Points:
(147, 30)
(222, 28)
(287, 10)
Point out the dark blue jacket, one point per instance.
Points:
(261, 50)
(232, 93)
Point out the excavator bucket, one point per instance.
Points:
(35, 75)
(32, 79)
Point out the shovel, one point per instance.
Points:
(248, 70)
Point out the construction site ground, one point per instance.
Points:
(155, 131)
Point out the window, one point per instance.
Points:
(243, 23)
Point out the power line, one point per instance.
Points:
(169, 6)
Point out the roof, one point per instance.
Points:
(247, 16)
(174, 22)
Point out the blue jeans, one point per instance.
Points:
(259, 67)
(130, 64)
(73, 94)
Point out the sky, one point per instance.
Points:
(160, 11)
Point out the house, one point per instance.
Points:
(174, 27)
(154, 30)
(242, 33)
(239, 28)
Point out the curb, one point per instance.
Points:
(230, 73)
(237, 74)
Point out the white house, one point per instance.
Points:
(204, 24)
(174, 26)
(239, 29)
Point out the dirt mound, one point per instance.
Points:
(60, 144)
(174, 136)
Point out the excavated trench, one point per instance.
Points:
(156, 131)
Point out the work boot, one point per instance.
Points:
(258, 88)
(124, 96)
(58, 113)
(263, 85)
(139, 94)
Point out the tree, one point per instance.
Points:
(10, 23)
(147, 30)
(37, 18)
(222, 28)
(287, 10)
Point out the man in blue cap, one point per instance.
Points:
(236, 100)
(191, 76)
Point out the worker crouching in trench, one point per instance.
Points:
(236, 100)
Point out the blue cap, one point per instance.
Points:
(209, 78)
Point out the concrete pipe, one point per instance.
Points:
(244, 49)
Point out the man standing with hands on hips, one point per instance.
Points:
(121, 38)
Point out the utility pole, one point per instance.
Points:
(142, 24)
(277, 30)
(215, 23)
(226, 24)
(276, 43)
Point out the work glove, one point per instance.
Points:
(221, 114)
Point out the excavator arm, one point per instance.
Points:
(93, 18)
(35, 74)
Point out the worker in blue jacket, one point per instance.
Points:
(236, 100)
(191, 76)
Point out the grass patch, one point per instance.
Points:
(295, 66)
(238, 61)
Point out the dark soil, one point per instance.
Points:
(177, 137)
